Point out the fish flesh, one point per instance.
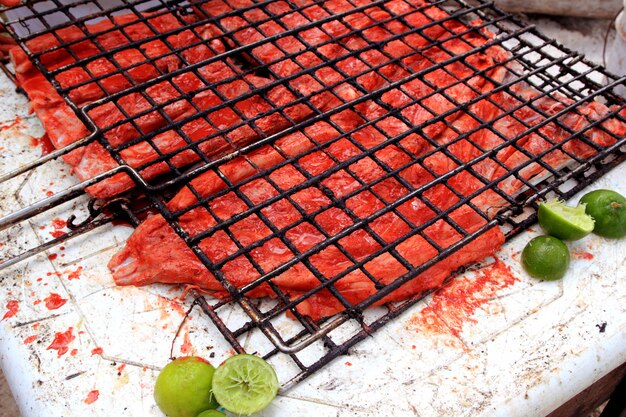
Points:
(284, 220)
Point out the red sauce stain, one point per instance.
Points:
(49, 193)
(12, 307)
(453, 306)
(580, 254)
(52, 256)
(14, 123)
(92, 397)
(121, 368)
(96, 351)
(61, 340)
(186, 346)
(348, 363)
(44, 142)
(54, 301)
(35, 326)
(37, 302)
(75, 274)
(58, 225)
(74, 352)
(30, 339)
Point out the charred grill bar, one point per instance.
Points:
(331, 120)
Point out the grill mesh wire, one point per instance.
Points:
(285, 108)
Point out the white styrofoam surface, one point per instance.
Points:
(523, 352)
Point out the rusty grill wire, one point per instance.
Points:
(215, 58)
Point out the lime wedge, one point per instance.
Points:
(245, 384)
(565, 222)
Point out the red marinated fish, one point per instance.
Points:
(154, 253)
(459, 122)
(171, 97)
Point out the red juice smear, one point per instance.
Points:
(186, 346)
(453, 306)
(74, 352)
(52, 256)
(61, 340)
(30, 339)
(14, 123)
(92, 397)
(581, 254)
(75, 274)
(12, 307)
(54, 301)
(96, 351)
(121, 368)
(44, 142)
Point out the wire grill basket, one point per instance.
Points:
(325, 157)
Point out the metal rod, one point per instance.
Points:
(45, 158)
(54, 200)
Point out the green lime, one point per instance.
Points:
(245, 384)
(183, 388)
(564, 222)
(211, 413)
(546, 257)
(608, 209)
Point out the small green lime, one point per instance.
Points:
(183, 388)
(245, 384)
(211, 413)
(608, 209)
(546, 257)
(564, 222)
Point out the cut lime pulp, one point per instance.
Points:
(565, 222)
(245, 384)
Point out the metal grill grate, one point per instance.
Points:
(321, 146)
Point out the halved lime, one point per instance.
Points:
(546, 257)
(608, 208)
(563, 221)
(183, 388)
(245, 384)
(211, 413)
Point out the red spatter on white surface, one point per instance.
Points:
(186, 346)
(581, 254)
(454, 305)
(30, 339)
(75, 274)
(96, 351)
(54, 301)
(58, 225)
(13, 306)
(44, 142)
(92, 397)
(61, 340)
(12, 124)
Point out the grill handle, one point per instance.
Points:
(59, 198)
